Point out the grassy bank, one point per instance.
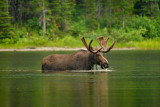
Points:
(75, 42)
(146, 44)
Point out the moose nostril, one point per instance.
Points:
(106, 65)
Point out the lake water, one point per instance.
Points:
(133, 80)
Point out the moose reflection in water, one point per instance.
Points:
(80, 60)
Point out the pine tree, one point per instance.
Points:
(5, 24)
(147, 7)
(123, 8)
(89, 9)
(62, 11)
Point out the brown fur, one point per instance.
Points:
(80, 60)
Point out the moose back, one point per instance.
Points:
(80, 60)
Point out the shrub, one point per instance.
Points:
(132, 35)
(96, 33)
(151, 25)
(7, 41)
(39, 40)
(77, 28)
(69, 41)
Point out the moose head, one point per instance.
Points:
(97, 53)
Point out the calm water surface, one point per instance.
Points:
(133, 80)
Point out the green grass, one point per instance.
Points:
(145, 44)
(71, 42)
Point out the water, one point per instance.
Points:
(133, 80)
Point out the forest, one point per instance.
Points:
(61, 23)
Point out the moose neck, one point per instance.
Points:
(90, 61)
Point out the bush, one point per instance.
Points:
(39, 41)
(151, 25)
(7, 41)
(96, 33)
(132, 35)
(32, 24)
(77, 28)
(68, 41)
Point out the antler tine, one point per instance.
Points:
(100, 39)
(107, 40)
(91, 50)
(84, 42)
(107, 50)
(98, 50)
(89, 47)
(102, 42)
(90, 44)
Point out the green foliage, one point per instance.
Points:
(57, 22)
(21, 32)
(32, 41)
(79, 27)
(39, 41)
(151, 25)
(147, 8)
(68, 41)
(62, 11)
(96, 33)
(122, 35)
(5, 25)
(7, 41)
(32, 24)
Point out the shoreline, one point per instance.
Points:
(56, 49)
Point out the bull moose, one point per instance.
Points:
(80, 60)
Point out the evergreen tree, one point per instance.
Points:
(42, 11)
(62, 12)
(90, 13)
(122, 9)
(5, 24)
(147, 7)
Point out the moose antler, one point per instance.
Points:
(103, 44)
(89, 48)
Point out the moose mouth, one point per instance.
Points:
(103, 66)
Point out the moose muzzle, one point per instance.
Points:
(105, 65)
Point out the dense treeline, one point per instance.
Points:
(39, 21)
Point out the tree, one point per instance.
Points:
(41, 10)
(13, 11)
(147, 7)
(44, 17)
(90, 13)
(122, 9)
(62, 12)
(5, 24)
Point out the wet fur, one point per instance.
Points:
(80, 60)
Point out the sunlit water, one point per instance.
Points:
(133, 80)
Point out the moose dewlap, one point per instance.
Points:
(80, 60)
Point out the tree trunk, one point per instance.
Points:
(86, 10)
(98, 9)
(110, 13)
(20, 13)
(44, 18)
(13, 10)
(123, 24)
(159, 6)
